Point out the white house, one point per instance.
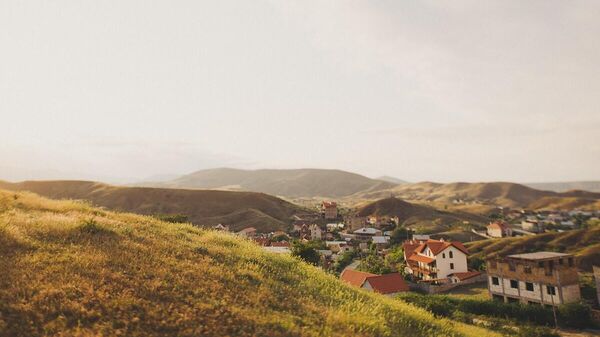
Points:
(315, 232)
(498, 230)
(435, 259)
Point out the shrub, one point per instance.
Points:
(172, 218)
(306, 252)
(577, 315)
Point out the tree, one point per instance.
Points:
(399, 235)
(344, 260)
(306, 252)
(374, 264)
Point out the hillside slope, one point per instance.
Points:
(288, 183)
(206, 208)
(420, 217)
(584, 243)
(73, 270)
(494, 193)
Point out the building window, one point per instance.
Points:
(570, 262)
(451, 255)
(529, 286)
(495, 281)
(560, 261)
(512, 266)
(551, 290)
(514, 284)
(443, 255)
(527, 269)
(451, 265)
(541, 264)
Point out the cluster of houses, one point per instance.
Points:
(546, 278)
(523, 222)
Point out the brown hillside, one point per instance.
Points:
(495, 193)
(584, 243)
(424, 218)
(205, 208)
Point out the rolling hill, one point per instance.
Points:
(288, 183)
(495, 193)
(424, 218)
(584, 243)
(205, 208)
(592, 186)
(392, 180)
(69, 269)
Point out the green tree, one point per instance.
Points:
(306, 252)
(399, 235)
(372, 263)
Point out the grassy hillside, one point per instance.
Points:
(424, 218)
(237, 209)
(495, 193)
(288, 183)
(69, 269)
(584, 243)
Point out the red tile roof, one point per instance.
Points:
(437, 246)
(355, 277)
(409, 247)
(329, 204)
(421, 258)
(383, 284)
(388, 283)
(466, 275)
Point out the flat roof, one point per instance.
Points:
(538, 255)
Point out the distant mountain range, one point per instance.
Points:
(288, 183)
(592, 186)
(355, 188)
(494, 193)
(392, 180)
(207, 208)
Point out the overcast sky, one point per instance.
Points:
(420, 90)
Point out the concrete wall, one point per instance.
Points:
(570, 293)
(443, 264)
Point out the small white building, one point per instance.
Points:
(315, 232)
(435, 259)
(498, 230)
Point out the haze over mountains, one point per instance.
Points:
(289, 183)
(592, 186)
(352, 187)
(243, 198)
(493, 193)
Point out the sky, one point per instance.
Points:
(461, 90)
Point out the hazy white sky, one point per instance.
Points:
(421, 90)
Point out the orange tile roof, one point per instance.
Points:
(409, 247)
(466, 275)
(388, 283)
(437, 246)
(355, 277)
(421, 258)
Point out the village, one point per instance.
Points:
(378, 254)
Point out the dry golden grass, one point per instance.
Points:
(68, 269)
(584, 243)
